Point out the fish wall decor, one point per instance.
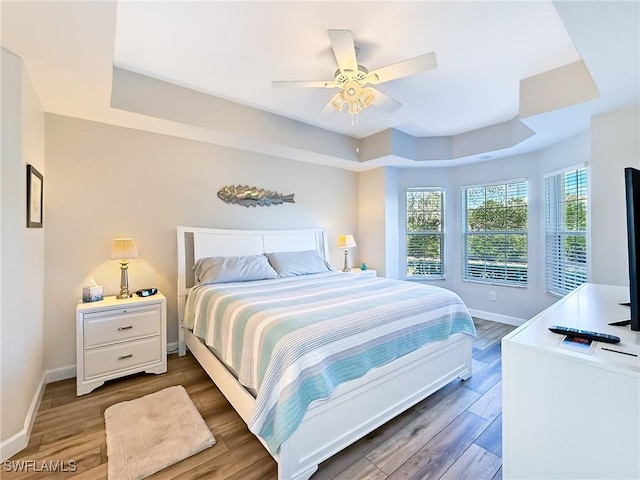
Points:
(252, 196)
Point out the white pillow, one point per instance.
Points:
(288, 264)
(233, 269)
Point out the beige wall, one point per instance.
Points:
(106, 181)
(615, 144)
(370, 236)
(377, 237)
(22, 257)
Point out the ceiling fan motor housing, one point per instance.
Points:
(360, 76)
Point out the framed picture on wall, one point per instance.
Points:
(35, 184)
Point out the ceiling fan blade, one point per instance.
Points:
(343, 49)
(326, 111)
(304, 84)
(403, 69)
(385, 102)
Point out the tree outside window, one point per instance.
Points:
(495, 233)
(566, 231)
(425, 233)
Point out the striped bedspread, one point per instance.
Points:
(293, 340)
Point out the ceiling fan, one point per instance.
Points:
(352, 79)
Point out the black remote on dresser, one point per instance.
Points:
(587, 334)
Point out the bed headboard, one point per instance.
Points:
(195, 243)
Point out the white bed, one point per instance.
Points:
(356, 407)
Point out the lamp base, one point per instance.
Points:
(346, 261)
(124, 281)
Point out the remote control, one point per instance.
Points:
(574, 332)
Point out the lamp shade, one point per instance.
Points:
(123, 248)
(346, 241)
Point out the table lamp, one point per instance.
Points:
(123, 249)
(346, 242)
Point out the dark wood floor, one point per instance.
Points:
(454, 434)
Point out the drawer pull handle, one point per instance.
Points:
(124, 357)
(128, 327)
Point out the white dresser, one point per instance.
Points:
(119, 337)
(572, 411)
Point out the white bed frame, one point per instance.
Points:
(356, 407)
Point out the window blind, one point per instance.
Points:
(494, 227)
(566, 231)
(425, 233)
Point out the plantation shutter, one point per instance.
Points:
(566, 231)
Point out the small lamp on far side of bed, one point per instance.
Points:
(123, 249)
(346, 242)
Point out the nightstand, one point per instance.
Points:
(116, 337)
(368, 272)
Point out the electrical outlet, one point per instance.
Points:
(492, 295)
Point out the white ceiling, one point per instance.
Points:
(233, 50)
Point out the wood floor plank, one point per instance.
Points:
(477, 366)
(96, 473)
(489, 405)
(223, 466)
(498, 475)
(70, 430)
(473, 464)
(491, 438)
(487, 378)
(363, 469)
(58, 466)
(490, 354)
(439, 454)
(68, 448)
(59, 415)
(182, 469)
(261, 470)
(347, 457)
(392, 453)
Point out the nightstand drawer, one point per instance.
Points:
(121, 325)
(121, 356)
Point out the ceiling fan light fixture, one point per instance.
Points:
(351, 91)
(354, 108)
(354, 96)
(338, 101)
(367, 97)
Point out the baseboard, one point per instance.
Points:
(18, 441)
(61, 373)
(172, 347)
(496, 317)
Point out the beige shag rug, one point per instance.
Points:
(150, 433)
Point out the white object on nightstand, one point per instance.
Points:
(359, 271)
(118, 337)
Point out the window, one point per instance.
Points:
(566, 231)
(425, 233)
(494, 229)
